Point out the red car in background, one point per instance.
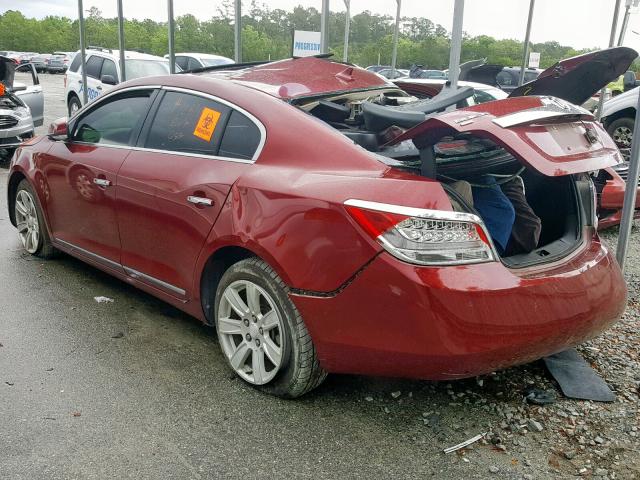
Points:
(308, 210)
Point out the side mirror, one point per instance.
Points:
(59, 130)
(108, 80)
(629, 80)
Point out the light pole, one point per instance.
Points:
(396, 32)
(172, 48)
(237, 32)
(527, 35)
(612, 37)
(324, 27)
(85, 96)
(456, 43)
(347, 24)
(123, 74)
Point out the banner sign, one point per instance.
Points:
(306, 44)
(534, 60)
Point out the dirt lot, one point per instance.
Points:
(137, 389)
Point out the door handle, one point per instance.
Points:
(98, 87)
(102, 182)
(206, 202)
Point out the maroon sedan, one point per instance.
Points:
(309, 211)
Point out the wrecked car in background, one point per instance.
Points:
(323, 220)
(21, 104)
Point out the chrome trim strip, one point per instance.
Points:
(530, 116)
(414, 212)
(110, 93)
(158, 283)
(89, 254)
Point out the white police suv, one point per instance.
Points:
(103, 72)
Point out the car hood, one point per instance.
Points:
(7, 71)
(485, 73)
(303, 77)
(620, 102)
(578, 78)
(547, 134)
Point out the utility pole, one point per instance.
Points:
(85, 96)
(324, 27)
(456, 43)
(123, 74)
(525, 55)
(172, 35)
(347, 24)
(612, 38)
(396, 32)
(237, 32)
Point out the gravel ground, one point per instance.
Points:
(154, 399)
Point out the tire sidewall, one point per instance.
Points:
(73, 100)
(42, 226)
(249, 270)
(621, 122)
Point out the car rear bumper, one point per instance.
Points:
(395, 319)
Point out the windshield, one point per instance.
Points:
(137, 68)
(212, 62)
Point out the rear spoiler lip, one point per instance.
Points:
(532, 116)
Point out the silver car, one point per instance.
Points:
(21, 106)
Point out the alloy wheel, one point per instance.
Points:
(27, 221)
(251, 331)
(622, 136)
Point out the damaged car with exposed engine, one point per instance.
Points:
(325, 221)
(21, 104)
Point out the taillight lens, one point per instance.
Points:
(424, 237)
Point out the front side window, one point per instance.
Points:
(182, 62)
(115, 121)
(188, 123)
(109, 68)
(94, 65)
(193, 64)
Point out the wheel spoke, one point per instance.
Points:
(22, 227)
(257, 365)
(239, 357)
(34, 239)
(236, 302)
(229, 326)
(253, 298)
(270, 320)
(20, 207)
(272, 351)
(27, 241)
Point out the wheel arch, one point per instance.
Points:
(217, 263)
(12, 187)
(629, 112)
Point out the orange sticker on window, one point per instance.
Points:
(206, 124)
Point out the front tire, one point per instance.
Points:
(262, 334)
(621, 130)
(74, 105)
(30, 222)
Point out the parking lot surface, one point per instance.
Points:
(136, 389)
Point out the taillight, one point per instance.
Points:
(424, 237)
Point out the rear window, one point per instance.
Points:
(137, 68)
(75, 65)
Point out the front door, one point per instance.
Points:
(82, 175)
(171, 190)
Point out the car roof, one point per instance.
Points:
(128, 54)
(301, 77)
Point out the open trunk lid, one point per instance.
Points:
(578, 78)
(547, 134)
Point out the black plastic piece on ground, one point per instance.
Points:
(576, 377)
(536, 396)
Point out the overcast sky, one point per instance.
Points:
(579, 23)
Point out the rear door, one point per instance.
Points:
(173, 186)
(27, 86)
(94, 69)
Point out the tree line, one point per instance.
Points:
(267, 34)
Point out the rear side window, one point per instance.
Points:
(75, 65)
(182, 62)
(193, 64)
(115, 121)
(109, 68)
(94, 65)
(188, 123)
(241, 138)
(504, 78)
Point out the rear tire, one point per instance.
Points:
(281, 359)
(621, 130)
(74, 105)
(32, 228)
